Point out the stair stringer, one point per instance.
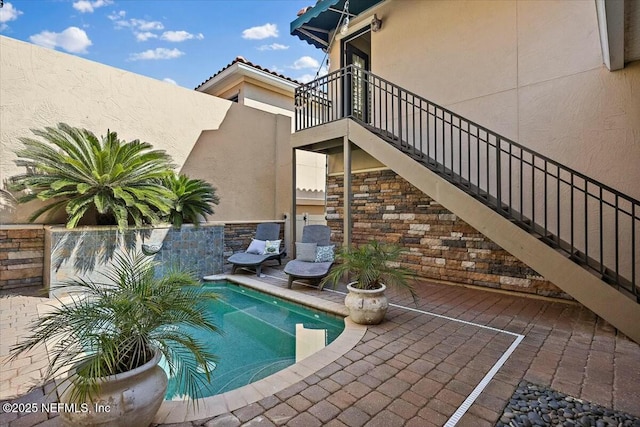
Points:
(614, 307)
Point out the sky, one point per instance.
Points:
(182, 42)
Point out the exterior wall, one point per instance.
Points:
(438, 244)
(529, 70)
(41, 87)
(21, 259)
(310, 167)
(267, 99)
(86, 252)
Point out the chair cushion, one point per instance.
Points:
(306, 251)
(307, 270)
(325, 253)
(257, 247)
(272, 247)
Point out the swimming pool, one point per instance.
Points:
(261, 334)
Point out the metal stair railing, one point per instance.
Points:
(590, 222)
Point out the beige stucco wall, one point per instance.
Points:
(207, 137)
(310, 167)
(529, 70)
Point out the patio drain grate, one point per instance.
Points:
(536, 405)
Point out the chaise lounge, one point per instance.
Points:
(314, 256)
(265, 246)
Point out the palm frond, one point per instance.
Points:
(115, 325)
(369, 265)
(67, 163)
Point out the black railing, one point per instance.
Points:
(594, 224)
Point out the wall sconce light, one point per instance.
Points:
(344, 29)
(376, 23)
(345, 26)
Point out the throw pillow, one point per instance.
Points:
(256, 247)
(306, 251)
(325, 253)
(272, 247)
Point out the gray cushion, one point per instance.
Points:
(256, 247)
(306, 251)
(307, 270)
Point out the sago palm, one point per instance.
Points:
(193, 198)
(74, 170)
(115, 326)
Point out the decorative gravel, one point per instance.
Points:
(536, 405)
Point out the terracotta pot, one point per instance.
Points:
(366, 307)
(128, 399)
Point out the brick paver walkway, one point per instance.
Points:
(416, 369)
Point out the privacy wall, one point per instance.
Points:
(208, 137)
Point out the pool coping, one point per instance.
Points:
(177, 411)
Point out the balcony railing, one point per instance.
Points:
(592, 223)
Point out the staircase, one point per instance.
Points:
(577, 232)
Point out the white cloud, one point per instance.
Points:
(158, 53)
(143, 37)
(305, 62)
(143, 25)
(117, 16)
(306, 78)
(261, 32)
(273, 46)
(180, 36)
(168, 80)
(8, 13)
(86, 6)
(73, 40)
(140, 25)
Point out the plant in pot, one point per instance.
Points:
(371, 268)
(113, 334)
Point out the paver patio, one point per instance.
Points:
(417, 369)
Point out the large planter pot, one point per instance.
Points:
(366, 307)
(128, 399)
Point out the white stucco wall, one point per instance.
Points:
(41, 87)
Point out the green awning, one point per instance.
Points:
(315, 25)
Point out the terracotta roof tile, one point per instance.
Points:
(240, 59)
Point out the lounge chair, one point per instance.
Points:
(255, 255)
(305, 267)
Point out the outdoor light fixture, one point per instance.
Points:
(376, 23)
(344, 29)
(345, 26)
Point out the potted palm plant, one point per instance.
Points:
(371, 267)
(113, 334)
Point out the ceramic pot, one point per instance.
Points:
(366, 307)
(128, 399)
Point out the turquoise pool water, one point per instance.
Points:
(258, 337)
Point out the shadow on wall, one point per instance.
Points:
(85, 249)
(242, 159)
(86, 252)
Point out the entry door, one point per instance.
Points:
(358, 105)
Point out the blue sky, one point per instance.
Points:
(181, 41)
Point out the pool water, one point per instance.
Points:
(260, 336)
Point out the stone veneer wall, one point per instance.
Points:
(438, 244)
(21, 258)
(87, 251)
(238, 235)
